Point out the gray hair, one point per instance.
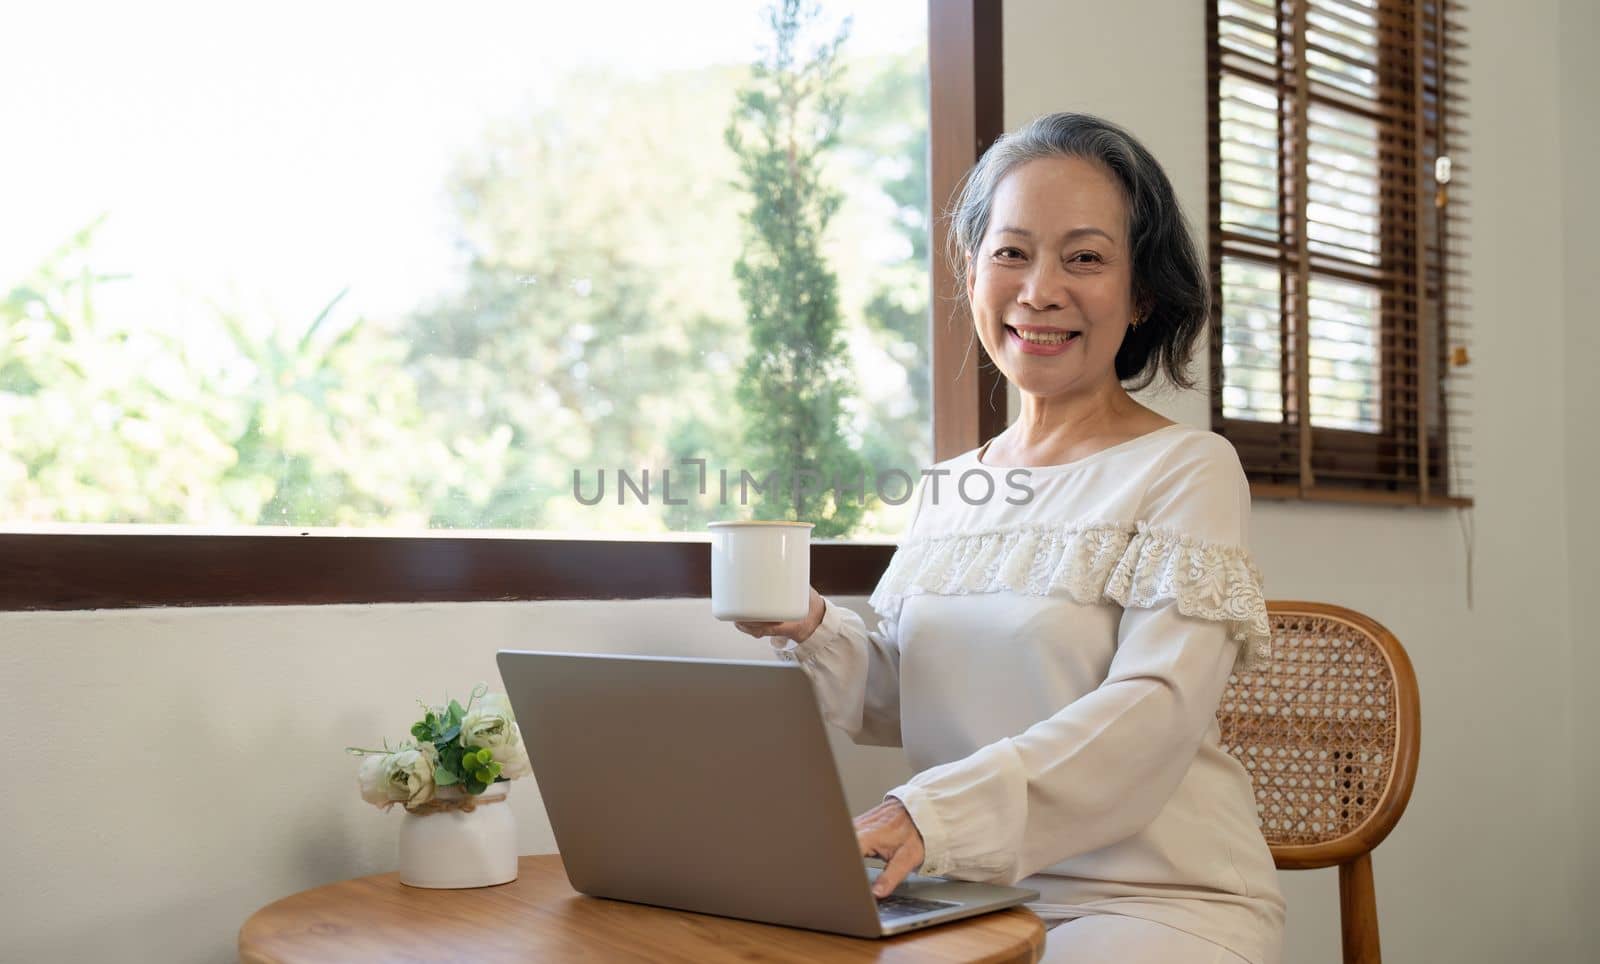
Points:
(1169, 279)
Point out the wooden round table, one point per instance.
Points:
(540, 917)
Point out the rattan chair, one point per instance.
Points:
(1329, 728)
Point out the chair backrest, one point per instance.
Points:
(1329, 728)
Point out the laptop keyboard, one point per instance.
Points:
(894, 908)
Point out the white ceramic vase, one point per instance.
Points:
(451, 849)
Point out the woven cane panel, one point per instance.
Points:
(1315, 726)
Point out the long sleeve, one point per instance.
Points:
(856, 674)
(855, 671)
(1094, 773)
(1102, 768)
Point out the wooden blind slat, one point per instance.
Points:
(1363, 34)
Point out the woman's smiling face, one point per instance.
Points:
(1051, 282)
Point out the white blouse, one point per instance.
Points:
(1053, 670)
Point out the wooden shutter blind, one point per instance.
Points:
(1339, 353)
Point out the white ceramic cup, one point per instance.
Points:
(760, 571)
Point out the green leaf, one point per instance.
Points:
(322, 316)
(451, 733)
(457, 714)
(453, 759)
(444, 778)
(476, 787)
(421, 731)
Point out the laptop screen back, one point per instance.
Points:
(703, 785)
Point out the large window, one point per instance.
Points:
(1337, 176)
(519, 271)
(295, 277)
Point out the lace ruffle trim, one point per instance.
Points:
(1131, 565)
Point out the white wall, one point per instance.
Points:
(177, 769)
(1580, 156)
(1482, 865)
(171, 771)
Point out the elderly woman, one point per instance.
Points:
(1053, 668)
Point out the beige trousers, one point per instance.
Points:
(1115, 939)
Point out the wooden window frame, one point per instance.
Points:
(105, 568)
(1402, 314)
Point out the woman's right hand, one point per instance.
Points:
(798, 630)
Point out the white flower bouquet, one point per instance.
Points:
(466, 747)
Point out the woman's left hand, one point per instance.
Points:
(886, 832)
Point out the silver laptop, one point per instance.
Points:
(709, 786)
